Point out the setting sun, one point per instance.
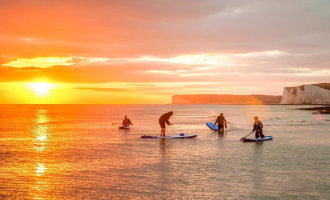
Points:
(41, 88)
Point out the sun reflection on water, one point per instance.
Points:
(41, 131)
(41, 139)
(40, 169)
(41, 116)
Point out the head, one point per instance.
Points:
(171, 113)
(221, 114)
(125, 117)
(256, 119)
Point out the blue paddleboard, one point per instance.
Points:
(212, 126)
(257, 139)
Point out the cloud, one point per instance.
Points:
(195, 67)
(101, 89)
(39, 62)
(208, 59)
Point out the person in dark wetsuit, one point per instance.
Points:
(257, 127)
(221, 121)
(164, 119)
(126, 122)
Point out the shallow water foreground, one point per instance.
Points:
(78, 152)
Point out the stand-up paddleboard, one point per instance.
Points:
(257, 139)
(124, 127)
(212, 126)
(181, 136)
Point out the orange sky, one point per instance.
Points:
(131, 52)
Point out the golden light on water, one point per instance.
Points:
(42, 137)
(40, 169)
(41, 131)
(42, 116)
(41, 134)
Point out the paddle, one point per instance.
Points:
(247, 135)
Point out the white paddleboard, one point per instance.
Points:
(124, 127)
(181, 136)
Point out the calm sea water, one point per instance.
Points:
(78, 152)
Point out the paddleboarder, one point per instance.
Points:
(257, 127)
(222, 122)
(164, 119)
(126, 122)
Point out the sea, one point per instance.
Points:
(78, 152)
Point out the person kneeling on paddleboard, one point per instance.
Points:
(257, 127)
(164, 119)
(126, 122)
(221, 122)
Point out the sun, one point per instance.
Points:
(41, 88)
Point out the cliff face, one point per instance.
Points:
(307, 94)
(225, 99)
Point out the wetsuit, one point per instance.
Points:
(164, 119)
(257, 127)
(127, 122)
(221, 122)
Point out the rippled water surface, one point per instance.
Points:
(78, 152)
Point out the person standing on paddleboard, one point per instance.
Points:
(164, 119)
(221, 123)
(257, 127)
(126, 122)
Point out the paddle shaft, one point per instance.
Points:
(247, 135)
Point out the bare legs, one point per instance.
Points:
(162, 132)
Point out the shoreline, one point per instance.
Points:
(320, 110)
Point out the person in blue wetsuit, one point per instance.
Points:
(222, 123)
(164, 119)
(257, 127)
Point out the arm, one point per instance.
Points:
(216, 121)
(167, 122)
(166, 118)
(224, 119)
(254, 128)
(129, 121)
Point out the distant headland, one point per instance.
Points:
(314, 94)
(307, 94)
(226, 99)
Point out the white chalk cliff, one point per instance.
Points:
(307, 94)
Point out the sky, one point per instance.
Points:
(145, 51)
